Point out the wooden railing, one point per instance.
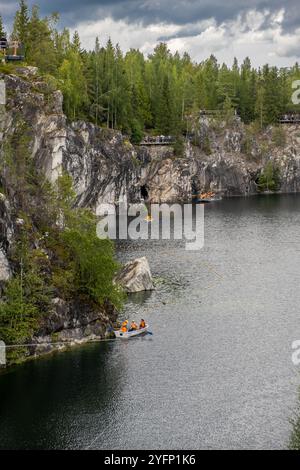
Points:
(290, 118)
(11, 50)
(158, 140)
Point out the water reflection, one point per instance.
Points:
(51, 403)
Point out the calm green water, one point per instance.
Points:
(217, 373)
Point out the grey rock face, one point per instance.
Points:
(136, 276)
(71, 323)
(27, 72)
(5, 271)
(102, 164)
(6, 234)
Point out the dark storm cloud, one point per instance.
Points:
(180, 12)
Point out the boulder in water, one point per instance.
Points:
(136, 276)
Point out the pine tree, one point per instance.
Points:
(40, 44)
(139, 109)
(210, 80)
(73, 84)
(260, 103)
(76, 43)
(228, 109)
(93, 78)
(2, 32)
(247, 92)
(62, 44)
(21, 24)
(164, 116)
(271, 97)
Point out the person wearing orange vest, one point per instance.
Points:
(142, 324)
(133, 326)
(124, 326)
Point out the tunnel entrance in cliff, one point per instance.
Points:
(144, 192)
(195, 187)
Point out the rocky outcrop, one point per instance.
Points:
(37, 104)
(72, 323)
(136, 276)
(5, 271)
(103, 165)
(6, 235)
(226, 159)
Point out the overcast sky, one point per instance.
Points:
(265, 30)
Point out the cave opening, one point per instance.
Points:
(144, 192)
(195, 187)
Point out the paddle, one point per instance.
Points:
(150, 333)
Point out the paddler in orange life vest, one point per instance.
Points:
(133, 326)
(124, 326)
(142, 324)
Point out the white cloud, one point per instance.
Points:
(278, 17)
(127, 35)
(288, 45)
(259, 35)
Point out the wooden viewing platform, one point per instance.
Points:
(211, 112)
(159, 140)
(289, 118)
(214, 112)
(11, 51)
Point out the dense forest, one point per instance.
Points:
(155, 94)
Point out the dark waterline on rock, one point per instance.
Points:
(217, 372)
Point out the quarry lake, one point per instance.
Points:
(217, 372)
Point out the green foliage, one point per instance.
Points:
(207, 85)
(228, 110)
(18, 317)
(2, 32)
(271, 97)
(247, 144)
(134, 94)
(264, 149)
(206, 146)
(178, 147)
(269, 179)
(247, 92)
(73, 84)
(16, 164)
(94, 266)
(21, 23)
(26, 295)
(294, 443)
(7, 68)
(82, 264)
(137, 132)
(136, 162)
(279, 137)
(249, 138)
